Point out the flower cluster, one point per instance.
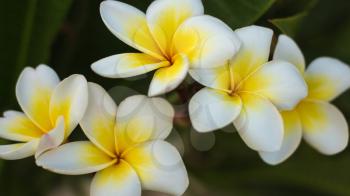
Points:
(126, 146)
(272, 103)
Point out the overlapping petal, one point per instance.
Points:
(75, 158)
(324, 126)
(254, 52)
(19, 150)
(34, 90)
(53, 138)
(327, 78)
(217, 78)
(211, 109)
(16, 126)
(291, 139)
(287, 50)
(69, 99)
(159, 167)
(165, 16)
(130, 25)
(99, 120)
(280, 82)
(168, 78)
(119, 179)
(260, 124)
(140, 119)
(127, 65)
(207, 41)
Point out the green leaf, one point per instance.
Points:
(290, 25)
(297, 11)
(231, 167)
(28, 29)
(238, 13)
(287, 8)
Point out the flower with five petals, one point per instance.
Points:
(126, 147)
(320, 123)
(173, 36)
(52, 109)
(248, 91)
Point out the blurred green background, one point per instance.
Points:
(69, 35)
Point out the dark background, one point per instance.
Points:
(69, 35)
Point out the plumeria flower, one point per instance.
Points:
(126, 147)
(248, 91)
(52, 109)
(320, 123)
(173, 37)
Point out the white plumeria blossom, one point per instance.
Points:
(126, 148)
(52, 109)
(173, 37)
(320, 123)
(248, 91)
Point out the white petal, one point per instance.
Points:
(287, 50)
(159, 167)
(260, 124)
(119, 179)
(280, 82)
(33, 90)
(212, 109)
(127, 65)
(165, 16)
(324, 126)
(18, 151)
(327, 78)
(129, 25)
(16, 126)
(168, 78)
(75, 158)
(69, 99)
(207, 41)
(99, 120)
(217, 78)
(141, 119)
(52, 139)
(291, 139)
(254, 52)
